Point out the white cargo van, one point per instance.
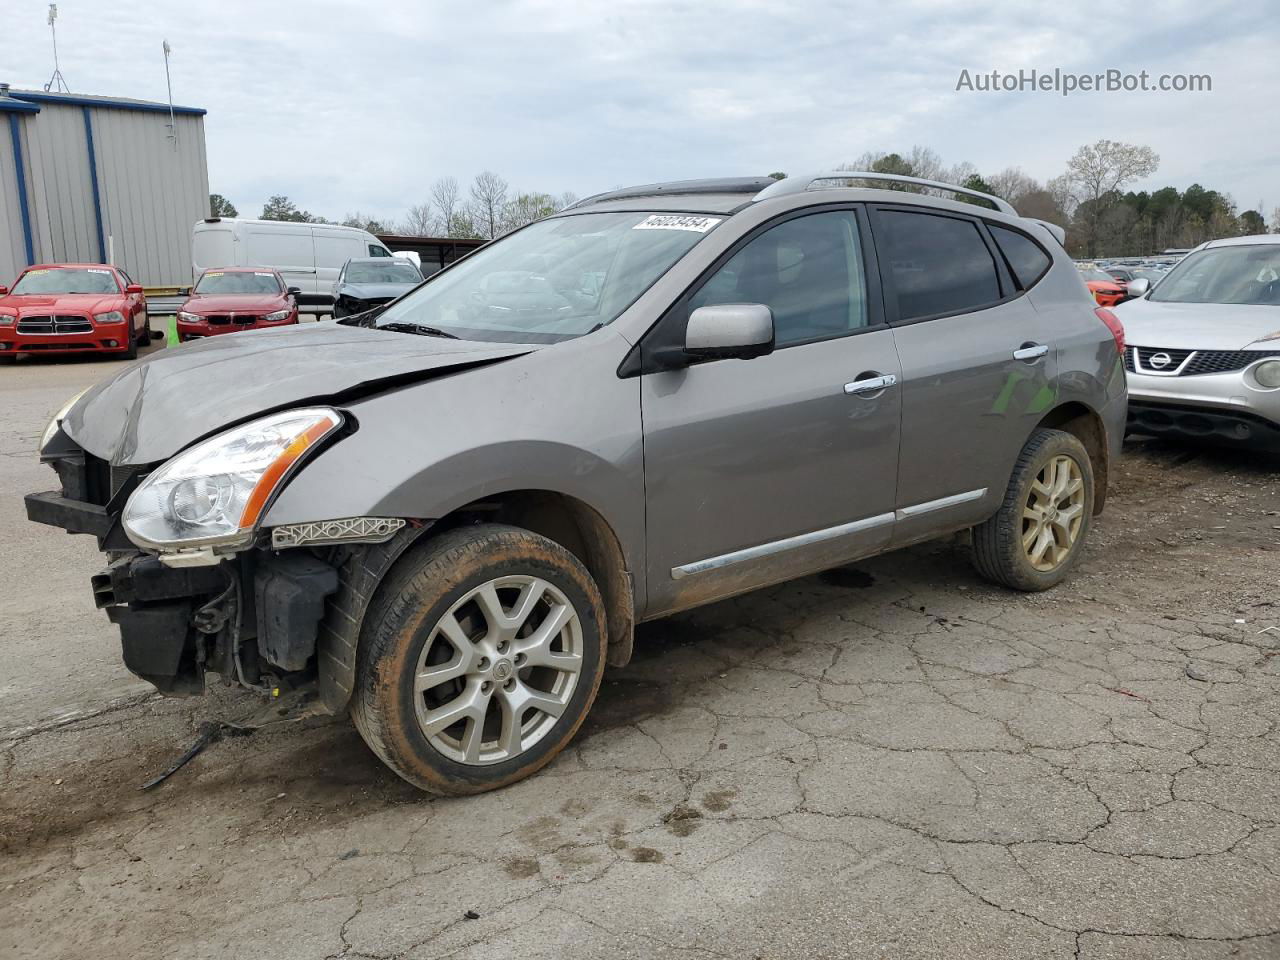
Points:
(308, 255)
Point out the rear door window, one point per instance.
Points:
(1027, 259)
(939, 265)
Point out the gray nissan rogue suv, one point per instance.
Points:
(447, 514)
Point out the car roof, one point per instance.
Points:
(1257, 238)
(382, 260)
(242, 270)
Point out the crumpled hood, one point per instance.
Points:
(373, 291)
(155, 407)
(1197, 326)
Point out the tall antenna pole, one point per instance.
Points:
(173, 127)
(57, 83)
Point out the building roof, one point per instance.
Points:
(33, 98)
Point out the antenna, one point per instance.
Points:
(57, 83)
(173, 128)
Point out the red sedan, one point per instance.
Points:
(73, 308)
(227, 299)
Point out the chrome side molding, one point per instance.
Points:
(828, 533)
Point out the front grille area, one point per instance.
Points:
(1224, 361)
(1190, 363)
(62, 323)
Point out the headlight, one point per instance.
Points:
(111, 316)
(51, 430)
(6, 320)
(278, 315)
(1267, 374)
(217, 491)
(184, 317)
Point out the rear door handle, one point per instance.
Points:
(1030, 351)
(871, 384)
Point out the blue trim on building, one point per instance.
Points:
(22, 188)
(146, 106)
(10, 105)
(93, 179)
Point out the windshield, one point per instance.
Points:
(1247, 273)
(383, 272)
(554, 280)
(238, 281)
(67, 280)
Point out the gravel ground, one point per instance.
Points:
(892, 759)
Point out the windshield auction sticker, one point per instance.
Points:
(661, 221)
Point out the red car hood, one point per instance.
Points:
(234, 303)
(45, 303)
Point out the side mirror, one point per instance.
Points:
(294, 292)
(729, 331)
(133, 288)
(3, 289)
(1138, 288)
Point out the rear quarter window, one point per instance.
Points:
(1026, 258)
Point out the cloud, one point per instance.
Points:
(357, 105)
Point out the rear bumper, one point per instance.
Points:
(1223, 425)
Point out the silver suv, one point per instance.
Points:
(449, 513)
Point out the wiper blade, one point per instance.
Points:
(400, 326)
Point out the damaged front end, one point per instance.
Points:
(206, 590)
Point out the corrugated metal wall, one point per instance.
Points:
(150, 190)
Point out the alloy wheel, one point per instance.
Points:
(1053, 513)
(498, 670)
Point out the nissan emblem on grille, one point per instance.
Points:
(1161, 360)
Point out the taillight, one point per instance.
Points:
(1114, 325)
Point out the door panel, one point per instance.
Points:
(760, 470)
(968, 403)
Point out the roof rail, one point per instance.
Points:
(678, 188)
(791, 185)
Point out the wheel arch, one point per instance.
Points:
(580, 529)
(1087, 426)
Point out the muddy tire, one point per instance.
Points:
(1036, 537)
(479, 659)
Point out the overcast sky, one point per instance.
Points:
(361, 105)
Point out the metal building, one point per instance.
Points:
(98, 179)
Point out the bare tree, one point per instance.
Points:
(1013, 184)
(488, 200)
(1100, 170)
(569, 198)
(1275, 220)
(419, 221)
(445, 195)
(526, 208)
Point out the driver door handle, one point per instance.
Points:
(871, 384)
(1030, 351)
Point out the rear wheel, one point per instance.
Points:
(479, 660)
(1036, 537)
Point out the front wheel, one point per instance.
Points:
(1037, 535)
(479, 660)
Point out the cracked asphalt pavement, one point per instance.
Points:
(892, 759)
